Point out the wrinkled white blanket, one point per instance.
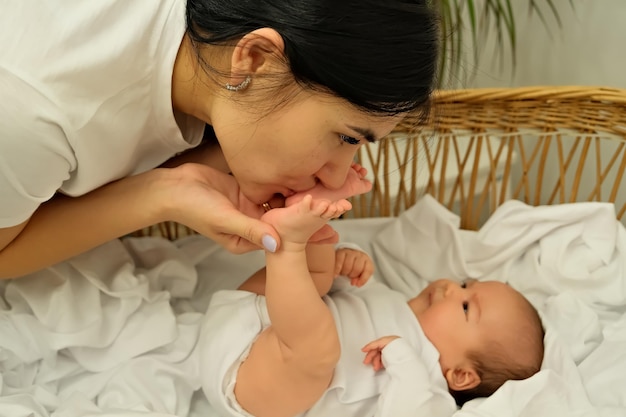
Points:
(569, 260)
(113, 332)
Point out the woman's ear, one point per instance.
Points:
(254, 54)
(462, 379)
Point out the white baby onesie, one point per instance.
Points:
(411, 384)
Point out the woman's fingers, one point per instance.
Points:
(254, 234)
(277, 201)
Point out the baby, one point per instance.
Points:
(275, 348)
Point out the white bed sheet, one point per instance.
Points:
(113, 332)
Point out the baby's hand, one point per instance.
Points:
(374, 352)
(354, 264)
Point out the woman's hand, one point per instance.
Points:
(210, 202)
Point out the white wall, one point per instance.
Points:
(589, 49)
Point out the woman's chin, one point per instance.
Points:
(258, 195)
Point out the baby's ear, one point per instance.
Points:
(462, 379)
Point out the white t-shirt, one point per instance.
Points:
(85, 92)
(412, 384)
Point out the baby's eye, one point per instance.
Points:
(464, 284)
(349, 139)
(465, 307)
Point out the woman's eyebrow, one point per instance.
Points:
(366, 133)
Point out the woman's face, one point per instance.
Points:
(313, 138)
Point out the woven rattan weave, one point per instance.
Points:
(541, 145)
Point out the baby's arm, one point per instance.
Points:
(354, 264)
(324, 263)
(409, 391)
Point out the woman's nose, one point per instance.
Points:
(331, 178)
(334, 173)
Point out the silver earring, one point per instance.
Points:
(241, 86)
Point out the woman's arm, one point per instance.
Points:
(198, 196)
(66, 226)
(7, 234)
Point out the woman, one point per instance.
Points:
(96, 95)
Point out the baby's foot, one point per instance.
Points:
(299, 221)
(355, 184)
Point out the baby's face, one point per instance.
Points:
(462, 317)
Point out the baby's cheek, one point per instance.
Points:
(436, 322)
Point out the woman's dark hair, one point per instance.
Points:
(380, 55)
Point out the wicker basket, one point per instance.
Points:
(541, 145)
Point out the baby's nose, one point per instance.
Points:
(452, 288)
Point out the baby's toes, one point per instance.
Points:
(329, 214)
(308, 206)
(336, 209)
(344, 205)
(364, 186)
(360, 170)
(319, 207)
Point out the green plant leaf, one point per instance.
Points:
(480, 16)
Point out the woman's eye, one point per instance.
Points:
(349, 139)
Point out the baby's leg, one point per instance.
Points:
(297, 222)
(291, 363)
(321, 270)
(320, 257)
(256, 282)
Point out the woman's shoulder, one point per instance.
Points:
(79, 48)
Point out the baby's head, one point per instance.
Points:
(486, 333)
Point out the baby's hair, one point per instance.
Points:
(499, 364)
(381, 56)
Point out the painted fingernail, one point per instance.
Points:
(269, 243)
